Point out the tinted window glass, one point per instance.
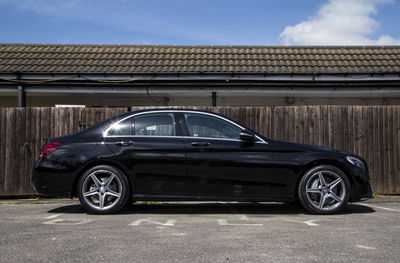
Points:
(211, 127)
(155, 124)
(122, 128)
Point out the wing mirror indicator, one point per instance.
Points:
(247, 137)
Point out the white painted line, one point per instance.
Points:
(243, 217)
(169, 222)
(52, 216)
(180, 234)
(224, 222)
(67, 222)
(308, 222)
(384, 208)
(365, 247)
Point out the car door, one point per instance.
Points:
(151, 146)
(220, 164)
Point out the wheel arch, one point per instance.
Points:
(331, 162)
(94, 163)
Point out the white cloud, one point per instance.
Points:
(339, 22)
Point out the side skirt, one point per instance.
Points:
(148, 197)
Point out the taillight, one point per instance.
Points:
(48, 148)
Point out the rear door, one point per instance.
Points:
(151, 146)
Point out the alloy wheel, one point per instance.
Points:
(325, 190)
(102, 189)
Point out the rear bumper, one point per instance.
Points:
(50, 181)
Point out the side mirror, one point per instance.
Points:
(247, 137)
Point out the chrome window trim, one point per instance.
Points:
(221, 139)
(139, 136)
(175, 111)
(105, 134)
(177, 137)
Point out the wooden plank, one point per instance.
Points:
(19, 150)
(326, 126)
(30, 151)
(370, 140)
(347, 127)
(387, 140)
(296, 127)
(275, 125)
(3, 128)
(384, 147)
(266, 122)
(390, 169)
(375, 142)
(317, 131)
(396, 153)
(330, 126)
(379, 137)
(357, 134)
(9, 184)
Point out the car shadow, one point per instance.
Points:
(214, 208)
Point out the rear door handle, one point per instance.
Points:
(200, 144)
(129, 143)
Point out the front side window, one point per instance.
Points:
(211, 127)
(155, 124)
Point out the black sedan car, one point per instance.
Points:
(186, 155)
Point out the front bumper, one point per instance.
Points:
(361, 188)
(365, 193)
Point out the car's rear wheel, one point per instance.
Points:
(324, 189)
(103, 189)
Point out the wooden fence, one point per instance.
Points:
(370, 131)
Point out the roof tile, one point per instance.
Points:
(137, 58)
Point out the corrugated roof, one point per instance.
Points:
(145, 58)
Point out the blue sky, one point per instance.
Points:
(201, 22)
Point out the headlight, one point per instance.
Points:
(355, 161)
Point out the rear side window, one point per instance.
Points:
(122, 128)
(155, 124)
(151, 124)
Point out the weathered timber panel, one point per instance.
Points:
(372, 132)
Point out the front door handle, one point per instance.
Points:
(200, 144)
(129, 143)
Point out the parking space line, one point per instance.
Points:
(67, 222)
(224, 222)
(365, 247)
(169, 222)
(179, 234)
(52, 216)
(308, 222)
(384, 208)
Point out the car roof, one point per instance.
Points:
(167, 109)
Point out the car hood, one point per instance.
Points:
(309, 147)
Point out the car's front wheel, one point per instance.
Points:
(324, 189)
(103, 189)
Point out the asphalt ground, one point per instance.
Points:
(61, 231)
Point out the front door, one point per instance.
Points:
(220, 164)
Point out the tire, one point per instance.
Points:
(103, 189)
(325, 198)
